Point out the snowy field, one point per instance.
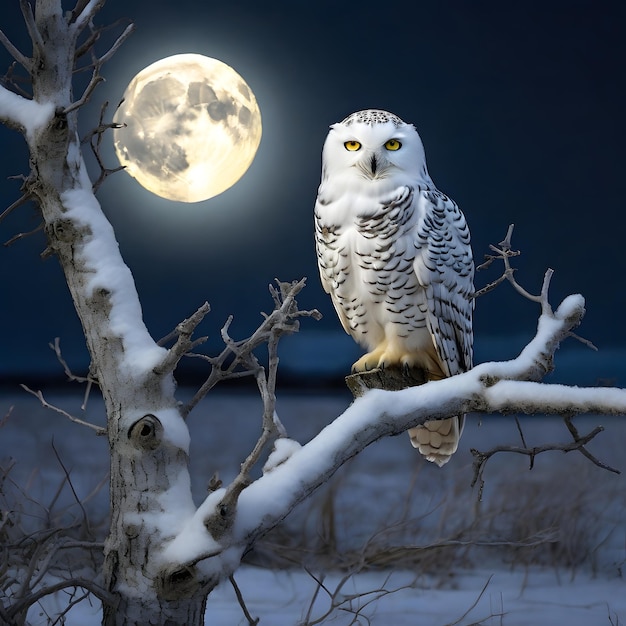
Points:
(546, 546)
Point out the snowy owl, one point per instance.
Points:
(394, 254)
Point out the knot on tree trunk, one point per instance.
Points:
(146, 433)
(223, 518)
(180, 583)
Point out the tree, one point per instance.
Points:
(163, 555)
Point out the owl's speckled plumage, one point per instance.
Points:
(394, 254)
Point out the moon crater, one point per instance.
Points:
(189, 127)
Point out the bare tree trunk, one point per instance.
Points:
(147, 435)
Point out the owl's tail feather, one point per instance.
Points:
(437, 440)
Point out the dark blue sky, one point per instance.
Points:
(520, 107)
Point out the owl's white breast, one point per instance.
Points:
(366, 250)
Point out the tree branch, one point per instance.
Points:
(12, 240)
(184, 344)
(39, 395)
(23, 60)
(84, 12)
(504, 252)
(283, 320)
(104, 596)
(488, 388)
(94, 137)
(33, 31)
(578, 444)
(126, 33)
(237, 516)
(19, 202)
(251, 620)
(56, 348)
(96, 78)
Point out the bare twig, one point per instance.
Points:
(283, 320)
(505, 252)
(19, 236)
(56, 348)
(11, 80)
(6, 416)
(22, 200)
(33, 31)
(184, 343)
(89, 43)
(39, 395)
(23, 60)
(251, 621)
(72, 601)
(99, 592)
(578, 443)
(584, 439)
(94, 137)
(352, 603)
(584, 341)
(71, 486)
(96, 79)
(127, 32)
(473, 605)
(89, 379)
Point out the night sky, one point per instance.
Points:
(520, 107)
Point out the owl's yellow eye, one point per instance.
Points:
(352, 146)
(393, 145)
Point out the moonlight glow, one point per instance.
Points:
(192, 127)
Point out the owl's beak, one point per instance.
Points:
(373, 164)
(376, 166)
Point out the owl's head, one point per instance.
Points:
(375, 145)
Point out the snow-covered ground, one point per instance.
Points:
(386, 498)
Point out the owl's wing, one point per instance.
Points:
(329, 258)
(445, 268)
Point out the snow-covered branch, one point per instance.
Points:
(84, 12)
(23, 114)
(496, 387)
(380, 413)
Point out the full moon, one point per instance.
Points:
(189, 127)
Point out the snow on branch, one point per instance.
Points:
(488, 388)
(23, 114)
(83, 12)
(233, 518)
